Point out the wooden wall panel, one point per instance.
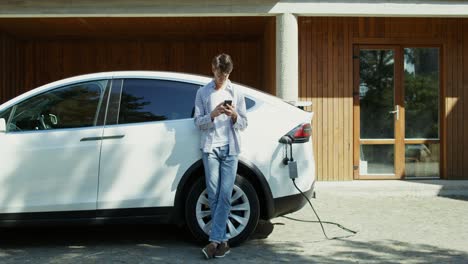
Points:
(454, 100)
(56, 59)
(3, 61)
(109, 44)
(11, 64)
(464, 99)
(326, 78)
(456, 111)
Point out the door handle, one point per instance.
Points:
(101, 138)
(113, 137)
(396, 111)
(91, 138)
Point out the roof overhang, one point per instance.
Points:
(169, 8)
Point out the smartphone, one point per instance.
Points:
(227, 102)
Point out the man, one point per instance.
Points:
(220, 114)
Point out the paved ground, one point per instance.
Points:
(393, 227)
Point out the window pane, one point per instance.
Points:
(376, 93)
(146, 100)
(421, 92)
(422, 160)
(377, 159)
(68, 107)
(249, 103)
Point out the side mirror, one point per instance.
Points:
(2, 125)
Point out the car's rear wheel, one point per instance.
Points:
(243, 217)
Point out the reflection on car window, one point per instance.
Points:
(146, 100)
(68, 107)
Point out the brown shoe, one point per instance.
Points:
(222, 250)
(209, 250)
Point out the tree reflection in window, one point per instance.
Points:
(76, 107)
(132, 110)
(147, 100)
(376, 72)
(421, 92)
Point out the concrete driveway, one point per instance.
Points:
(395, 225)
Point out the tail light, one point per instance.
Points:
(301, 133)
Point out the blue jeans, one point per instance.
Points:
(220, 175)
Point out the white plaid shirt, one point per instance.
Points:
(205, 124)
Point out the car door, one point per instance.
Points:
(49, 156)
(150, 141)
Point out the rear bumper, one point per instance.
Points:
(292, 203)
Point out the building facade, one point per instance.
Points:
(388, 81)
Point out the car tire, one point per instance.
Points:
(242, 220)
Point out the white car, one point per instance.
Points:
(123, 145)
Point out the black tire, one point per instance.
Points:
(191, 203)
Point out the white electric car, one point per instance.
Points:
(123, 145)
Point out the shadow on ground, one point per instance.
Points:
(347, 251)
(453, 189)
(170, 244)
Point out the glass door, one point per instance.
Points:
(396, 112)
(378, 110)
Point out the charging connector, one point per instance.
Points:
(292, 165)
(285, 140)
(290, 162)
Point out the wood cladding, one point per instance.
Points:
(72, 46)
(52, 60)
(134, 27)
(11, 63)
(326, 79)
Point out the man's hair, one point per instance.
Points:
(223, 62)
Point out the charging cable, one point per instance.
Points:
(319, 221)
(286, 140)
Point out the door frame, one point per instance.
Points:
(399, 100)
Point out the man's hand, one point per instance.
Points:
(219, 109)
(230, 110)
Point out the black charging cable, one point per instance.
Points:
(319, 221)
(288, 141)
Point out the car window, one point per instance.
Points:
(249, 103)
(67, 107)
(146, 100)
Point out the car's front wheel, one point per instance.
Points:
(242, 219)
